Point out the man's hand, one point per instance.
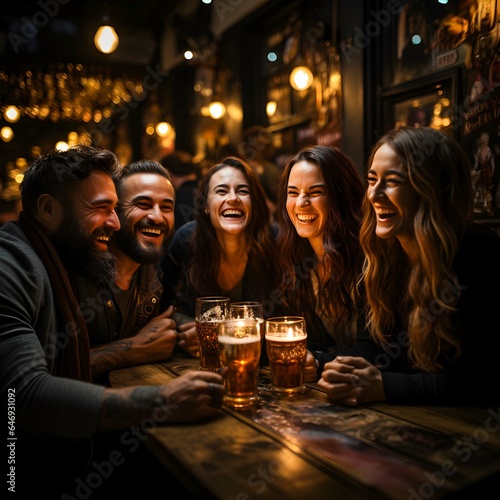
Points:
(194, 396)
(153, 342)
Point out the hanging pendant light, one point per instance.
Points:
(301, 78)
(106, 39)
(217, 109)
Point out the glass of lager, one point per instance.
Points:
(251, 309)
(286, 345)
(239, 348)
(209, 312)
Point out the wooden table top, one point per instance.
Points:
(309, 446)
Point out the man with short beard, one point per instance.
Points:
(127, 328)
(69, 200)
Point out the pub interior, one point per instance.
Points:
(197, 76)
(367, 73)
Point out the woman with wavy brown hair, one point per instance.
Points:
(318, 252)
(228, 249)
(432, 280)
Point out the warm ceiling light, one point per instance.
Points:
(301, 78)
(216, 109)
(106, 39)
(12, 114)
(163, 128)
(271, 107)
(7, 134)
(188, 54)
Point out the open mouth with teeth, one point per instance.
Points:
(385, 214)
(151, 232)
(103, 239)
(233, 213)
(307, 217)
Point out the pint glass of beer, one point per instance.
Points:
(251, 309)
(286, 345)
(209, 312)
(239, 348)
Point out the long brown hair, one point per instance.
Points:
(205, 250)
(423, 293)
(338, 296)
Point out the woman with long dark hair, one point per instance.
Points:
(318, 252)
(228, 249)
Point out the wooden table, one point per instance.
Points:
(309, 447)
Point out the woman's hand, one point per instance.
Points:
(352, 380)
(310, 374)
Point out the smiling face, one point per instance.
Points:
(392, 196)
(228, 201)
(89, 221)
(307, 201)
(146, 212)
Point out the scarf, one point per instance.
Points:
(73, 357)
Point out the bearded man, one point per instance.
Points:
(123, 315)
(62, 419)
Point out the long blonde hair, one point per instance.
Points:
(424, 295)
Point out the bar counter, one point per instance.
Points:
(309, 447)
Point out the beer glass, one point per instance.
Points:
(286, 345)
(209, 312)
(239, 348)
(248, 309)
(251, 309)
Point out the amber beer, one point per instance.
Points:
(286, 347)
(287, 359)
(209, 313)
(239, 349)
(242, 357)
(207, 332)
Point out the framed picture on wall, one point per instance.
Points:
(432, 104)
(480, 138)
(429, 36)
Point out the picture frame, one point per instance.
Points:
(430, 104)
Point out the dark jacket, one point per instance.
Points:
(101, 309)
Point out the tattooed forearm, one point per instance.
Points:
(122, 408)
(110, 357)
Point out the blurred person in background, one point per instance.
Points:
(184, 178)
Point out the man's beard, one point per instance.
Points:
(78, 251)
(126, 240)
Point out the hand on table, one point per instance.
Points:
(193, 396)
(352, 380)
